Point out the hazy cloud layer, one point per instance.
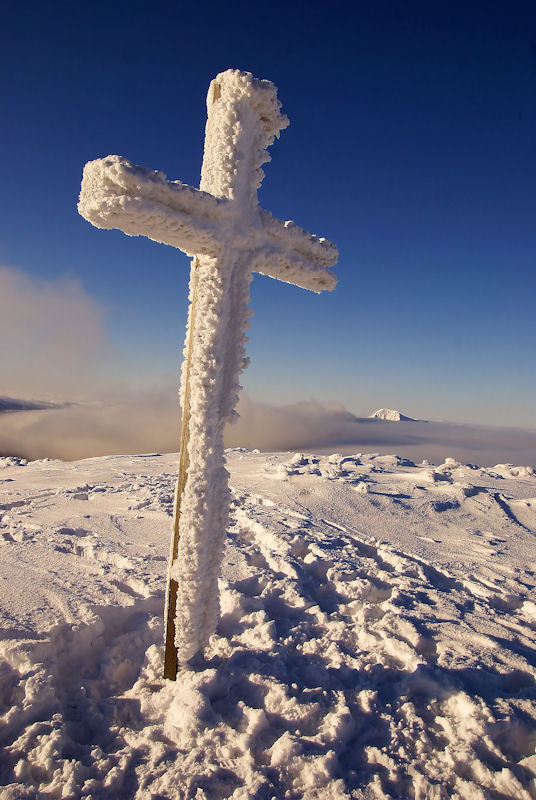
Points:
(136, 423)
(54, 346)
(311, 426)
(149, 422)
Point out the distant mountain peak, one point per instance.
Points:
(392, 415)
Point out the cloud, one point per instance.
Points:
(129, 423)
(54, 346)
(53, 337)
(315, 427)
(304, 424)
(149, 422)
(137, 422)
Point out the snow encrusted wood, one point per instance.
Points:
(142, 202)
(230, 236)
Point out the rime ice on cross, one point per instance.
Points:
(229, 236)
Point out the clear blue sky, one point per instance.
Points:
(411, 145)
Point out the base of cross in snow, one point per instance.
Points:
(376, 637)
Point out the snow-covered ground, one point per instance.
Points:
(376, 638)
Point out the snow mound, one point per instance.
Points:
(392, 415)
(12, 461)
(510, 471)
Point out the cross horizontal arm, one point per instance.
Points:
(291, 267)
(141, 202)
(293, 255)
(292, 237)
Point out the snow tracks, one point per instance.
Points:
(376, 637)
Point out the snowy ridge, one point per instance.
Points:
(376, 639)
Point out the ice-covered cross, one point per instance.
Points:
(229, 236)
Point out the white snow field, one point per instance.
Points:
(376, 638)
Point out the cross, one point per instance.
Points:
(229, 236)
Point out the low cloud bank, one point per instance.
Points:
(132, 423)
(56, 348)
(314, 427)
(149, 422)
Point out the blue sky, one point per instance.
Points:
(411, 145)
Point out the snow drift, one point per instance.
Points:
(376, 642)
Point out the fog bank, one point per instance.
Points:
(149, 422)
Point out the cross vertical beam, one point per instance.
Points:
(222, 225)
(170, 651)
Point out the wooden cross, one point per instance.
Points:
(229, 236)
